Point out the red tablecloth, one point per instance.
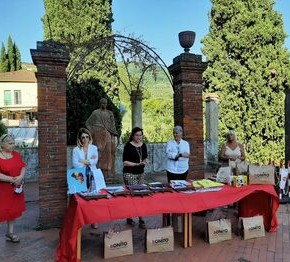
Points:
(254, 200)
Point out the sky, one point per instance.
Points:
(158, 22)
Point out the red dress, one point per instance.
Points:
(11, 204)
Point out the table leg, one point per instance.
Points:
(166, 220)
(185, 231)
(79, 244)
(189, 229)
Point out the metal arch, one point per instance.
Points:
(114, 39)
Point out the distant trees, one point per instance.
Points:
(10, 60)
(249, 68)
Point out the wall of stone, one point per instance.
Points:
(156, 152)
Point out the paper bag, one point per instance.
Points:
(252, 227)
(219, 230)
(118, 243)
(159, 240)
(223, 174)
(242, 168)
(261, 174)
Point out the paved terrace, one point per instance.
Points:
(41, 245)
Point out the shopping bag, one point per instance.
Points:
(223, 174)
(159, 240)
(99, 179)
(219, 230)
(118, 243)
(261, 174)
(242, 168)
(76, 180)
(252, 227)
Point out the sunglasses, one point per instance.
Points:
(85, 137)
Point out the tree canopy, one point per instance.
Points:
(248, 67)
(76, 23)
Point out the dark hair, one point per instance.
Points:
(134, 131)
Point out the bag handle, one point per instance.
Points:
(116, 228)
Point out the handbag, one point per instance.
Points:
(159, 240)
(118, 243)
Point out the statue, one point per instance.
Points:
(101, 124)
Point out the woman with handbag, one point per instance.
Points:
(12, 170)
(86, 155)
(134, 160)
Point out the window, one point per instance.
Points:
(17, 97)
(7, 98)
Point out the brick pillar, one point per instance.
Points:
(187, 72)
(51, 60)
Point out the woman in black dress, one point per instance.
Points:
(134, 160)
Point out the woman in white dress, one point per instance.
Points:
(232, 149)
(86, 155)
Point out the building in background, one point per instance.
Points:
(18, 105)
(18, 98)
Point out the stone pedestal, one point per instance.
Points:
(51, 60)
(187, 72)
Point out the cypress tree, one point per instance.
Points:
(17, 58)
(11, 54)
(248, 67)
(80, 24)
(76, 23)
(3, 60)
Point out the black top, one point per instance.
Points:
(134, 154)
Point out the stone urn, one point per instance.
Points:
(186, 40)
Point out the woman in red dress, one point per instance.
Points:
(12, 169)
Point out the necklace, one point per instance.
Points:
(139, 151)
(6, 156)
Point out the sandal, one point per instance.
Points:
(142, 224)
(12, 238)
(130, 222)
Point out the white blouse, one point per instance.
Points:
(172, 149)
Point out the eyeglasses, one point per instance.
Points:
(85, 137)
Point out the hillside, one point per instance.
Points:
(157, 109)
